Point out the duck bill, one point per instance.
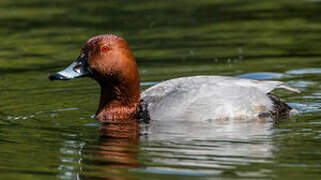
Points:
(79, 68)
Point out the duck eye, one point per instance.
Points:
(105, 48)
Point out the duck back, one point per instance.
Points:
(202, 98)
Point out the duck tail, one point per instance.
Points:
(280, 108)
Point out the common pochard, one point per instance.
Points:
(109, 60)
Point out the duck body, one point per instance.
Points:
(109, 60)
(201, 98)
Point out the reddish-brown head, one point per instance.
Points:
(109, 60)
(109, 56)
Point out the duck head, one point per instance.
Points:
(109, 60)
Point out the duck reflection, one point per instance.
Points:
(116, 151)
(217, 145)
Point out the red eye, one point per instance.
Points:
(105, 48)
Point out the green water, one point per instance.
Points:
(46, 129)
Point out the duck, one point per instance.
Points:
(109, 60)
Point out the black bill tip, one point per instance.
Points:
(57, 77)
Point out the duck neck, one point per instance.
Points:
(118, 101)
